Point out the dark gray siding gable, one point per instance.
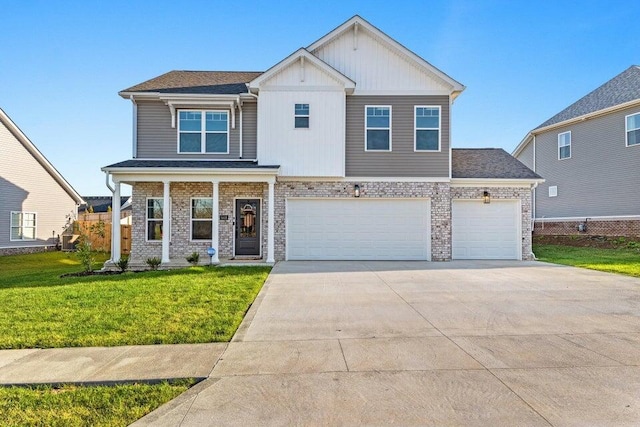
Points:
(158, 140)
(601, 177)
(402, 161)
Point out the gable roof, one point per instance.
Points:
(31, 148)
(623, 88)
(456, 87)
(196, 82)
(295, 56)
(488, 163)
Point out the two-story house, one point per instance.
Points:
(36, 202)
(589, 154)
(341, 151)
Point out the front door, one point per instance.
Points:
(248, 227)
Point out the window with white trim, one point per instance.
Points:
(205, 131)
(23, 226)
(377, 127)
(553, 191)
(427, 128)
(301, 116)
(201, 218)
(632, 127)
(564, 145)
(155, 218)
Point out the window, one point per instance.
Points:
(203, 132)
(301, 117)
(23, 226)
(427, 128)
(377, 128)
(564, 145)
(201, 219)
(155, 216)
(633, 129)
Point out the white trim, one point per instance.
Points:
(372, 92)
(146, 218)
(367, 128)
(590, 218)
(196, 177)
(356, 179)
(566, 145)
(191, 219)
(416, 129)
(22, 226)
(626, 129)
(134, 128)
(33, 150)
(203, 131)
(553, 191)
(493, 182)
(182, 159)
(287, 88)
(235, 204)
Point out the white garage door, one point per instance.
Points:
(358, 229)
(485, 231)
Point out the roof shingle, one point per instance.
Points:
(488, 163)
(198, 82)
(622, 88)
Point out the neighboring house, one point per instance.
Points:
(101, 204)
(340, 151)
(36, 202)
(589, 155)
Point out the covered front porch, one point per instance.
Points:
(226, 206)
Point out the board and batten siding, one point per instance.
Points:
(601, 177)
(25, 186)
(158, 140)
(402, 161)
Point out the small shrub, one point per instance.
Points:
(85, 253)
(123, 263)
(154, 262)
(194, 258)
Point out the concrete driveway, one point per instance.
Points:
(411, 343)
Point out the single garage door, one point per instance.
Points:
(485, 231)
(358, 229)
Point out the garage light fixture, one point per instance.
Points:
(486, 197)
(356, 190)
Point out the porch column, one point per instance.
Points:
(215, 222)
(115, 223)
(166, 223)
(270, 220)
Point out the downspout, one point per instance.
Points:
(135, 128)
(533, 221)
(240, 128)
(106, 176)
(533, 196)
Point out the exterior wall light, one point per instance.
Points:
(356, 190)
(486, 197)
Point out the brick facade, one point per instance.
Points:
(181, 193)
(611, 228)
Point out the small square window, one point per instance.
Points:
(553, 191)
(301, 116)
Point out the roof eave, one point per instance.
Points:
(189, 171)
(516, 182)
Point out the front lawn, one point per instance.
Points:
(623, 260)
(38, 309)
(118, 405)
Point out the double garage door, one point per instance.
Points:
(358, 229)
(398, 229)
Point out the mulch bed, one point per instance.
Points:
(599, 242)
(91, 273)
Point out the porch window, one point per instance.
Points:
(205, 131)
(23, 226)
(377, 128)
(155, 216)
(201, 219)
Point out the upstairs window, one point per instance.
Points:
(564, 145)
(633, 129)
(201, 219)
(377, 128)
(301, 116)
(427, 128)
(203, 132)
(23, 226)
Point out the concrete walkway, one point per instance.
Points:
(101, 365)
(459, 343)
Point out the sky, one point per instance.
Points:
(63, 62)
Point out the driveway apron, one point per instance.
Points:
(417, 343)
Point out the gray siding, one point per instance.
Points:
(402, 161)
(526, 155)
(25, 186)
(601, 177)
(158, 140)
(250, 130)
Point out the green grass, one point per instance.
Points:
(117, 405)
(622, 260)
(38, 309)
